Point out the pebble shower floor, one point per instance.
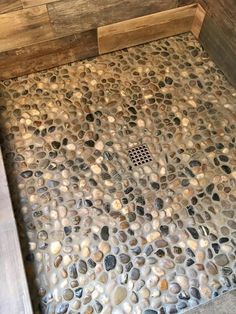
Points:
(98, 234)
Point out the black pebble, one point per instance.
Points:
(128, 190)
(140, 210)
(160, 253)
(223, 240)
(90, 117)
(110, 262)
(193, 232)
(210, 188)
(189, 262)
(91, 263)
(168, 80)
(190, 252)
(155, 185)
(224, 158)
(195, 293)
(88, 203)
(67, 230)
(105, 233)
(159, 203)
(56, 144)
(216, 197)
(79, 292)
(89, 143)
(226, 169)
(164, 230)
(190, 210)
(216, 247)
(98, 306)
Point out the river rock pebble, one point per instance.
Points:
(123, 177)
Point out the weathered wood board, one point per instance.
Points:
(218, 35)
(198, 20)
(48, 54)
(30, 26)
(145, 29)
(10, 5)
(34, 3)
(14, 294)
(83, 15)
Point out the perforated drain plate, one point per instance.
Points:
(140, 155)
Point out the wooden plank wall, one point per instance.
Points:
(14, 294)
(39, 34)
(218, 35)
(146, 28)
(46, 33)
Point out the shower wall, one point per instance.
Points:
(218, 33)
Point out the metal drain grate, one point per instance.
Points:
(140, 155)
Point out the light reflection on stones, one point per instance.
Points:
(103, 235)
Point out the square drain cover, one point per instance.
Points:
(140, 155)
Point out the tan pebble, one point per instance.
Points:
(97, 194)
(158, 271)
(140, 123)
(66, 260)
(76, 305)
(145, 293)
(55, 247)
(99, 145)
(116, 204)
(192, 244)
(97, 256)
(153, 236)
(96, 169)
(204, 243)
(118, 295)
(200, 256)
(71, 147)
(104, 247)
(234, 174)
(103, 278)
(182, 281)
(111, 119)
(88, 310)
(163, 284)
(85, 252)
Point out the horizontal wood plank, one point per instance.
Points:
(10, 5)
(48, 54)
(24, 27)
(34, 3)
(14, 294)
(83, 15)
(144, 29)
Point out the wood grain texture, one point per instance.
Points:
(30, 26)
(83, 15)
(144, 29)
(14, 294)
(34, 3)
(198, 20)
(221, 50)
(218, 35)
(203, 3)
(48, 54)
(10, 5)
